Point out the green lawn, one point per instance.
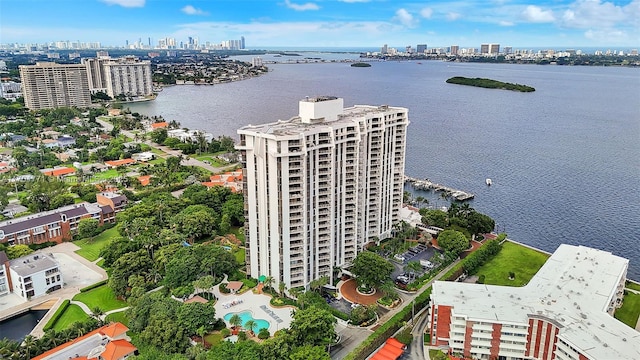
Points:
(630, 309)
(105, 175)
(524, 262)
(238, 232)
(633, 286)
(158, 151)
(72, 314)
(213, 338)
(90, 250)
(101, 297)
(240, 255)
(120, 317)
(212, 160)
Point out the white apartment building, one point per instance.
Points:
(565, 312)
(321, 185)
(127, 76)
(5, 285)
(47, 85)
(34, 275)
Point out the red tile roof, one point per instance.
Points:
(234, 285)
(197, 298)
(60, 172)
(116, 163)
(144, 180)
(117, 349)
(114, 330)
(159, 125)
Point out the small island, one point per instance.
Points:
(489, 84)
(360, 64)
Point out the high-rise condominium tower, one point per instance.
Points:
(319, 186)
(48, 85)
(127, 76)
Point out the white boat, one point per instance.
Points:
(488, 181)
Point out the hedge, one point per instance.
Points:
(388, 328)
(339, 314)
(91, 287)
(57, 315)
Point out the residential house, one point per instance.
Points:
(143, 156)
(109, 342)
(158, 125)
(59, 172)
(116, 163)
(66, 140)
(34, 275)
(232, 180)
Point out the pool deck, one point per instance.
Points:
(258, 305)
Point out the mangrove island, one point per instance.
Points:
(360, 64)
(489, 84)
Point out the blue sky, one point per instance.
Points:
(328, 23)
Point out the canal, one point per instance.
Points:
(17, 327)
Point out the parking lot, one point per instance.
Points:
(417, 253)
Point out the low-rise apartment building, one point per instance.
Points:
(58, 225)
(565, 312)
(34, 275)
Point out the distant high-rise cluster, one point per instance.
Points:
(48, 85)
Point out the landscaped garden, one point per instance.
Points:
(102, 297)
(90, 248)
(120, 317)
(630, 309)
(519, 260)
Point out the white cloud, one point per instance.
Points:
(585, 14)
(405, 18)
(506, 23)
(301, 7)
(535, 14)
(451, 16)
(608, 37)
(190, 10)
(426, 13)
(125, 3)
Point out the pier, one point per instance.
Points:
(426, 184)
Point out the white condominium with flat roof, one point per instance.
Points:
(128, 76)
(321, 185)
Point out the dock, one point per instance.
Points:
(426, 184)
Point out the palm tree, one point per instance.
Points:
(29, 344)
(250, 325)
(268, 282)
(282, 287)
(235, 320)
(413, 267)
(201, 331)
(96, 312)
(389, 290)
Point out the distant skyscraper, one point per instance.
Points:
(484, 49)
(421, 48)
(319, 186)
(48, 85)
(241, 42)
(454, 50)
(384, 49)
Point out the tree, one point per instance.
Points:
(250, 325)
(454, 241)
(202, 331)
(282, 287)
(192, 316)
(480, 223)
(436, 218)
(389, 290)
(317, 284)
(16, 251)
(88, 228)
(204, 283)
(133, 263)
(195, 221)
(413, 267)
(313, 326)
(371, 269)
(310, 353)
(235, 320)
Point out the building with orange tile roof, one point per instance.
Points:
(159, 125)
(106, 343)
(231, 180)
(122, 162)
(144, 180)
(59, 172)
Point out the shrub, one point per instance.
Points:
(91, 287)
(512, 275)
(263, 334)
(250, 283)
(242, 335)
(56, 315)
(225, 332)
(223, 289)
(481, 279)
(182, 291)
(405, 336)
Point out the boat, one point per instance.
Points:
(488, 181)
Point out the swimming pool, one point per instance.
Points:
(246, 316)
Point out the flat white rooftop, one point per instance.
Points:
(573, 288)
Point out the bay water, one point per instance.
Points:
(564, 160)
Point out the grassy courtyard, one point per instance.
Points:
(101, 297)
(522, 261)
(630, 309)
(90, 249)
(72, 314)
(120, 317)
(631, 285)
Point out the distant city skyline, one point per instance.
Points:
(327, 23)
